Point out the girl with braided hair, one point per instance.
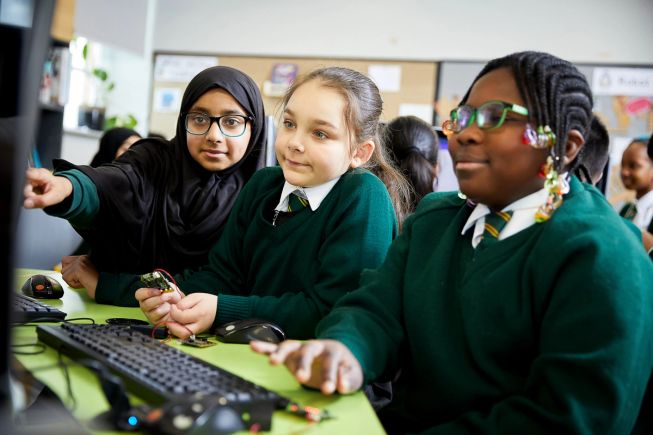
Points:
(542, 326)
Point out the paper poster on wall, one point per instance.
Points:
(423, 111)
(169, 68)
(386, 77)
(167, 100)
(623, 81)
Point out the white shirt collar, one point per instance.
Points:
(644, 210)
(315, 195)
(523, 216)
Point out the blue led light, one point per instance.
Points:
(132, 420)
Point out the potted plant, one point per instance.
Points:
(92, 112)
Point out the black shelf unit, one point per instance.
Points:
(50, 132)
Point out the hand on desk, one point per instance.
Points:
(43, 188)
(327, 365)
(80, 272)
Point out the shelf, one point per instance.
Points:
(51, 107)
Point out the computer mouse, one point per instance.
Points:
(245, 330)
(200, 414)
(42, 287)
(218, 420)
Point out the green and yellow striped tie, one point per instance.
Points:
(494, 223)
(629, 211)
(296, 202)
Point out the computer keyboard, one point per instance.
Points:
(150, 369)
(27, 309)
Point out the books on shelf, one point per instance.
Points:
(56, 77)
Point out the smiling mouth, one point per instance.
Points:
(470, 164)
(214, 153)
(294, 163)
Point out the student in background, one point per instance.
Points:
(594, 156)
(593, 159)
(541, 327)
(113, 143)
(164, 203)
(637, 175)
(413, 146)
(300, 233)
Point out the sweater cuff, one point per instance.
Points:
(232, 307)
(107, 290)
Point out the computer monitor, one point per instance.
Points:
(25, 35)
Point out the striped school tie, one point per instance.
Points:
(494, 223)
(629, 211)
(296, 202)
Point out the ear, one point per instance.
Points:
(575, 142)
(362, 154)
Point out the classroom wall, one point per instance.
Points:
(587, 31)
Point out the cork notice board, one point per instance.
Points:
(408, 89)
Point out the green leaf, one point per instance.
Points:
(101, 74)
(85, 52)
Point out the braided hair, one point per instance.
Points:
(556, 94)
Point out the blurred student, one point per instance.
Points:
(113, 143)
(637, 175)
(516, 311)
(593, 160)
(413, 145)
(595, 154)
(164, 203)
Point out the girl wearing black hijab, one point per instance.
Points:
(113, 143)
(163, 204)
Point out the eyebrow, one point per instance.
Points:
(316, 121)
(208, 111)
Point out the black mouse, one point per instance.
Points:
(196, 415)
(218, 420)
(42, 287)
(246, 330)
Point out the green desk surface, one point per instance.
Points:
(353, 413)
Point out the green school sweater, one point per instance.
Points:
(81, 206)
(292, 273)
(547, 331)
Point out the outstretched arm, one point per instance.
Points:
(43, 188)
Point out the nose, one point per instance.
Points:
(295, 143)
(469, 135)
(214, 134)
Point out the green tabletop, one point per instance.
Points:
(352, 413)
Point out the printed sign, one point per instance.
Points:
(623, 81)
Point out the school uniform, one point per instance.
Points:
(291, 272)
(640, 212)
(155, 206)
(547, 330)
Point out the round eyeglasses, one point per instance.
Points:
(488, 116)
(230, 125)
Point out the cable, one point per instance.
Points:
(40, 348)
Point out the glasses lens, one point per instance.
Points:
(197, 123)
(233, 125)
(491, 115)
(464, 116)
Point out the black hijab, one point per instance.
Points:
(109, 144)
(158, 207)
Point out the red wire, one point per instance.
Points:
(180, 294)
(171, 279)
